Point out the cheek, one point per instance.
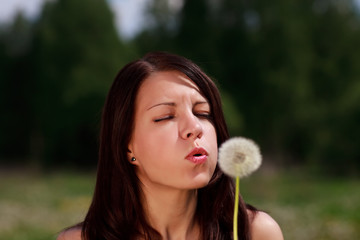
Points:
(148, 140)
(212, 141)
(212, 136)
(138, 140)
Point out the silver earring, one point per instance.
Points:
(133, 159)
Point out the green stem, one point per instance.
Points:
(236, 208)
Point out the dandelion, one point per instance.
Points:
(239, 157)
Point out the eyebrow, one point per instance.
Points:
(164, 103)
(172, 104)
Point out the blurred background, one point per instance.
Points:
(289, 75)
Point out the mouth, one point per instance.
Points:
(197, 155)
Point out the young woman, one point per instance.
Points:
(157, 174)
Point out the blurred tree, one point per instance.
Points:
(297, 62)
(266, 53)
(76, 56)
(335, 95)
(288, 72)
(161, 22)
(15, 120)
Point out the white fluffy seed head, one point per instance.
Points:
(239, 157)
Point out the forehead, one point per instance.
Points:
(166, 78)
(166, 85)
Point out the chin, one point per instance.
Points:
(200, 182)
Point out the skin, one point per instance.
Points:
(263, 227)
(171, 118)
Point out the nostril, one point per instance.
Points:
(188, 135)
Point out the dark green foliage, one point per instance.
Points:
(75, 54)
(15, 120)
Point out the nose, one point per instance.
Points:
(191, 127)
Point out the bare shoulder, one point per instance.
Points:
(70, 234)
(264, 227)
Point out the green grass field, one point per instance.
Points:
(35, 205)
(307, 207)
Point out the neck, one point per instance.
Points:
(171, 212)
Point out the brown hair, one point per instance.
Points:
(116, 211)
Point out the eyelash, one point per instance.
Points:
(164, 118)
(204, 115)
(199, 115)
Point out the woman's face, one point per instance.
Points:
(173, 140)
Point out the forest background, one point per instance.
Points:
(288, 71)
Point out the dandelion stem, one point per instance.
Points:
(236, 208)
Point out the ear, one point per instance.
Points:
(130, 150)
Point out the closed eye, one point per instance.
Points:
(204, 115)
(164, 118)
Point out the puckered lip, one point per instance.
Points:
(197, 155)
(197, 151)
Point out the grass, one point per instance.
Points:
(35, 205)
(307, 207)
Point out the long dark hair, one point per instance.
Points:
(116, 211)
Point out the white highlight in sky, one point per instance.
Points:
(9, 8)
(129, 14)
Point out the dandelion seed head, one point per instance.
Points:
(239, 157)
